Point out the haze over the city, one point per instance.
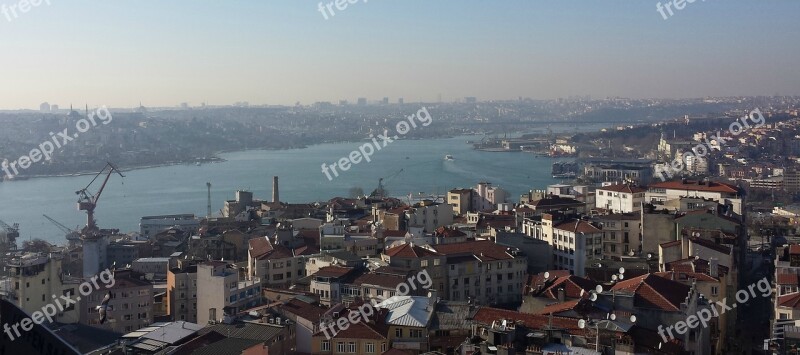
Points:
(282, 52)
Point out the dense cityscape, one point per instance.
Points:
(349, 177)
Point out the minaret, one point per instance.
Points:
(275, 196)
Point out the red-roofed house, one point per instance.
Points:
(659, 301)
(413, 258)
(788, 307)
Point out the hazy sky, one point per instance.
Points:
(162, 53)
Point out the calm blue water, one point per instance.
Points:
(182, 188)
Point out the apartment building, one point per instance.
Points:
(408, 319)
(131, 303)
(429, 215)
(181, 298)
(487, 197)
(620, 198)
(483, 271)
(622, 234)
(279, 261)
(574, 242)
(412, 258)
(461, 200)
(220, 291)
(35, 278)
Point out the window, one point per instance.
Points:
(452, 267)
(714, 290)
(369, 348)
(326, 345)
(383, 347)
(340, 347)
(398, 333)
(436, 262)
(423, 263)
(351, 347)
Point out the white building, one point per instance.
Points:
(661, 192)
(486, 196)
(429, 215)
(620, 198)
(573, 241)
(220, 291)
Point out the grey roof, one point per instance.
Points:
(451, 315)
(410, 311)
(228, 346)
(172, 332)
(343, 255)
(245, 330)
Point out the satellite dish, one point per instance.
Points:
(649, 256)
(621, 276)
(621, 270)
(614, 277)
(659, 345)
(546, 275)
(633, 320)
(613, 316)
(630, 253)
(593, 297)
(582, 292)
(599, 289)
(581, 323)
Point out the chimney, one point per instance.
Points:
(562, 295)
(713, 267)
(275, 197)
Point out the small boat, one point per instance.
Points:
(448, 157)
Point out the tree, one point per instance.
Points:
(36, 245)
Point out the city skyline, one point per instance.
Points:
(286, 52)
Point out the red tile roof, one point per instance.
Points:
(652, 291)
(693, 185)
(259, 246)
(571, 284)
(556, 308)
(788, 279)
(686, 276)
(577, 226)
(694, 265)
(410, 251)
(305, 310)
(487, 315)
(623, 188)
(671, 244)
(794, 249)
(484, 250)
(449, 233)
(791, 300)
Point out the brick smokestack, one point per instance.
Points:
(275, 196)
